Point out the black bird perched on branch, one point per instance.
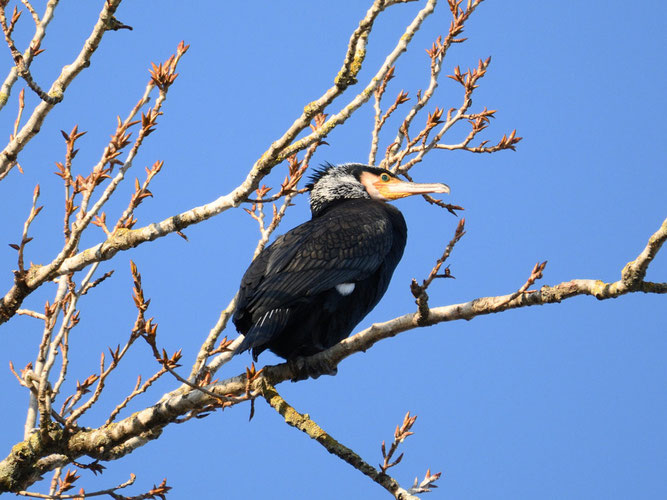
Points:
(314, 284)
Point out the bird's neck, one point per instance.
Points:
(319, 209)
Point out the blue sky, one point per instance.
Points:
(560, 401)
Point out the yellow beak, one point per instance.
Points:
(395, 189)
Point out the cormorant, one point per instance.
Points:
(315, 283)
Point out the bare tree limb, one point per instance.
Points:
(31, 457)
(9, 154)
(634, 272)
(54, 440)
(305, 424)
(278, 152)
(28, 55)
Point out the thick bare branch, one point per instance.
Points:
(34, 456)
(278, 152)
(305, 424)
(635, 271)
(57, 442)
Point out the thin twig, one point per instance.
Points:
(33, 314)
(109, 491)
(419, 291)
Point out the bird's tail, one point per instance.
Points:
(263, 331)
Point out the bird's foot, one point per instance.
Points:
(304, 368)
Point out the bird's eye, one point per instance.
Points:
(384, 177)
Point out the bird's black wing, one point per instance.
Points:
(342, 246)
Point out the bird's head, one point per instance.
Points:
(353, 180)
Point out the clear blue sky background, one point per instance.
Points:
(561, 401)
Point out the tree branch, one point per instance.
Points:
(28, 55)
(30, 458)
(277, 152)
(305, 424)
(29, 130)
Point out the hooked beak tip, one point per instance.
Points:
(444, 189)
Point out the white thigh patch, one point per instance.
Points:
(345, 288)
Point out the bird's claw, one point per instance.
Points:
(304, 368)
